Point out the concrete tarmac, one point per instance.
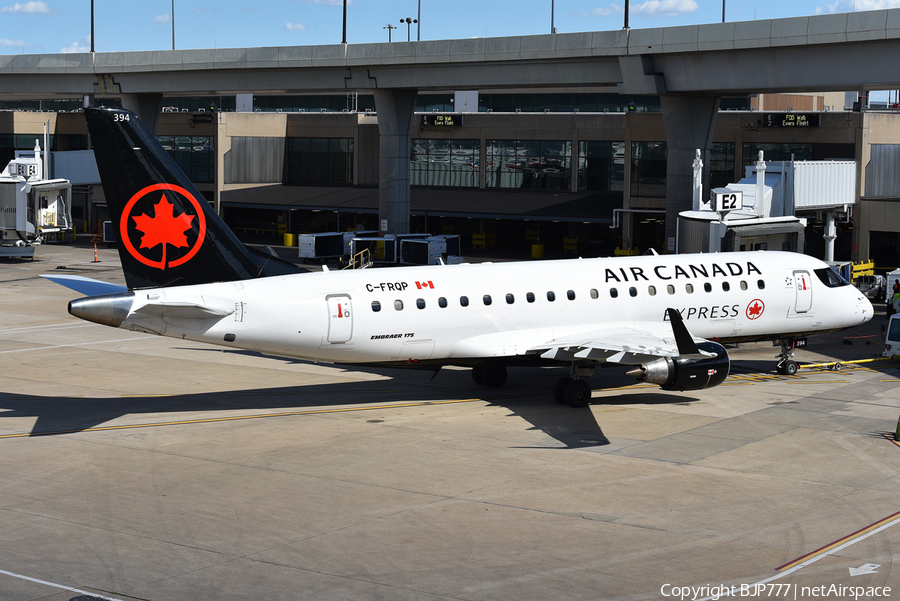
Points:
(138, 467)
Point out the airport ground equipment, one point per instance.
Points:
(32, 206)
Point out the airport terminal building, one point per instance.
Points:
(579, 171)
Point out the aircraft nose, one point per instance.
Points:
(868, 311)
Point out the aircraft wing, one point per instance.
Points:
(629, 343)
(84, 285)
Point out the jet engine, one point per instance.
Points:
(681, 373)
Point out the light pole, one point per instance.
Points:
(552, 15)
(344, 39)
(419, 27)
(92, 26)
(173, 24)
(390, 28)
(409, 21)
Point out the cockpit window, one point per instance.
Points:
(831, 278)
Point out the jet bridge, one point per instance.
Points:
(32, 207)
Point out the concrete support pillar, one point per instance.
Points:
(690, 122)
(146, 106)
(395, 114)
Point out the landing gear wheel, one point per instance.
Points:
(494, 376)
(790, 368)
(478, 374)
(559, 390)
(838, 367)
(578, 393)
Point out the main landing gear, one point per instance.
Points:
(489, 375)
(571, 390)
(786, 365)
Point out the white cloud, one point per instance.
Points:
(11, 43)
(846, 6)
(295, 27)
(650, 8)
(664, 8)
(83, 45)
(27, 8)
(161, 19)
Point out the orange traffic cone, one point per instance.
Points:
(96, 260)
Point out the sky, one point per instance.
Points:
(53, 26)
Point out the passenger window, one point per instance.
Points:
(689, 288)
(726, 286)
(463, 301)
(651, 290)
(594, 293)
(613, 292)
(761, 284)
(670, 289)
(632, 291)
(551, 296)
(442, 302)
(571, 294)
(420, 303)
(398, 305)
(743, 285)
(530, 297)
(510, 299)
(487, 299)
(707, 286)
(376, 306)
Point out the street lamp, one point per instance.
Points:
(390, 28)
(409, 21)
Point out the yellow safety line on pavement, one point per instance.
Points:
(238, 418)
(832, 546)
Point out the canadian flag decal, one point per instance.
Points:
(428, 284)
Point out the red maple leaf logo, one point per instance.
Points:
(164, 227)
(755, 309)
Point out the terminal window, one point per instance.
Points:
(528, 164)
(447, 163)
(601, 166)
(318, 161)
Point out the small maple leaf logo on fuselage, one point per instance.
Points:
(755, 309)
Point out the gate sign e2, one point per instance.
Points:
(726, 199)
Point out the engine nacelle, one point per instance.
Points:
(687, 374)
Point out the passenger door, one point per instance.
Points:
(803, 287)
(340, 318)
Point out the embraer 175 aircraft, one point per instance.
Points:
(189, 277)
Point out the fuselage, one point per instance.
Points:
(460, 313)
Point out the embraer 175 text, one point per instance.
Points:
(189, 277)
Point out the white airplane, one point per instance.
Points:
(188, 277)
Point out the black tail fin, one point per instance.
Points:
(168, 235)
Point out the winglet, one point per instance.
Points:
(683, 339)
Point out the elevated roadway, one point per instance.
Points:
(690, 67)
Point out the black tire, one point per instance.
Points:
(559, 390)
(495, 376)
(478, 374)
(578, 394)
(790, 368)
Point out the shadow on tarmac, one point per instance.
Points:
(526, 396)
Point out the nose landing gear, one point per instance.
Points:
(786, 365)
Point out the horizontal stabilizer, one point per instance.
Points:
(84, 285)
(184, 311)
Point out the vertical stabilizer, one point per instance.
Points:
(168, 235)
